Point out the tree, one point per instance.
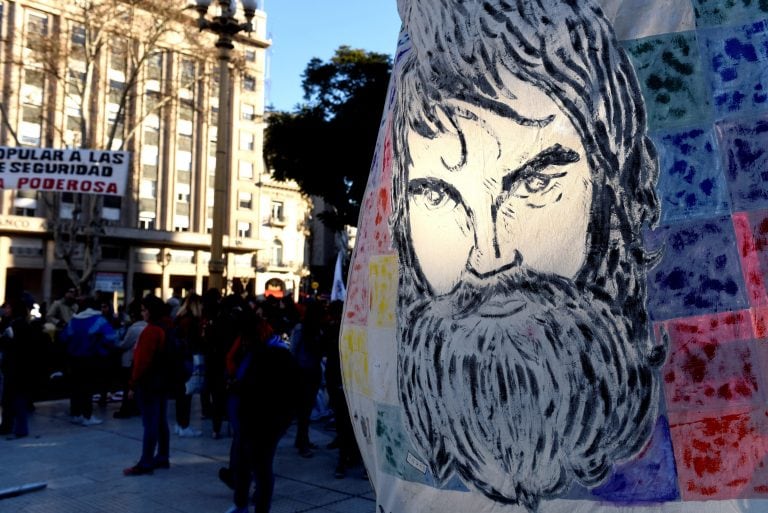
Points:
(101, 52)
(326, 145)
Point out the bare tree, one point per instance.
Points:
(105, 53)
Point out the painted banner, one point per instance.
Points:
(557, 299)
(69, 170)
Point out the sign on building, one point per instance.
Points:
(70, 170)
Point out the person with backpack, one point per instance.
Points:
(150, 385)
(265, 389)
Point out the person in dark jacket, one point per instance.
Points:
(19, 367)
(149, 383)
(306, 345)
(267, 395)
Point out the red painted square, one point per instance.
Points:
(721, 457)
(712, 362)
(752, 238)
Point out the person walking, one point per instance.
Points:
(266, 396)
(149, 384)
(88, 337)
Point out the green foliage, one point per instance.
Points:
(326, 145)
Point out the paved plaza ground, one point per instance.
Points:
(82, 467)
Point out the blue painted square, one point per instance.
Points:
(650, 477)
(669, 69)
(744, 147)
(727, 12)
(735, 62)
(699, 272)
(691, 182)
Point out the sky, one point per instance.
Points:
(303, 29)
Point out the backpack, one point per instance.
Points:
(178, 357)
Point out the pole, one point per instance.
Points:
(221, 180)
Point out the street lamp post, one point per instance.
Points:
(225, 26)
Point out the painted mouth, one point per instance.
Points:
(500, 306)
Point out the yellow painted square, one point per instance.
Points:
(354, 358)
(383, 278)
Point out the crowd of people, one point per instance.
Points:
(256, 364)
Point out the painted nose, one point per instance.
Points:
(487, 257)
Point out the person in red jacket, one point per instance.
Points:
(150, 385)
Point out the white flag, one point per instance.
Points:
(339, 291)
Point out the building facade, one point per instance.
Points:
(150, 88)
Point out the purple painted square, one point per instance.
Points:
(691, 182)
(744, 146)
(699, 271)
(735, 61)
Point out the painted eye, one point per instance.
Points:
(431, 195)
(537, 183)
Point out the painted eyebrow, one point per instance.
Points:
(555, 155)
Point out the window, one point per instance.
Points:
(148, 189)
(277, 211)
(155, 66)
(30, 129)
(76, 83)
(246, 169)
(118, 55)
(184, 161)
(25, 203)
(37, 31)
(276, 253)
(246, 200)
(147, 220)
(180, 223)
(249, 83)
(247, 112)
(182, 192)
(186, 117)
(243, 229)
(77, 40)
(247, 141)
(250, 55)
(187, 73)
(112, 206)
(32, 89)
(116, 89)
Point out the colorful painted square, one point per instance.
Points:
(699, 272)
(722, 457)
(725, 12)
(383, 283)
(735, 60)
(650, 477)
(744, 146)
(669, 70)
(354, 354)
(752, 235)
(712, 363)
(691, 182)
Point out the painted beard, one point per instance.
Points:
(521, 384)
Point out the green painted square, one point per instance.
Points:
(393, 446)
(670, 74)
(711, 13)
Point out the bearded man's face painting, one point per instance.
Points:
(525, 361)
